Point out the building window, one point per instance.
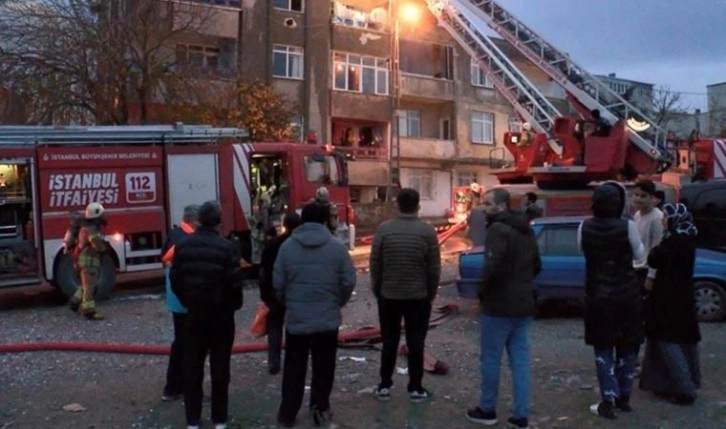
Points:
(445, 129)
(297, 125)
(198, 57)
(482, 128)
(228, 3)
(423, 182)
(293, 5)
(427, 59)
(287, 62)
(479, 77)
(356, 73)
(376, 19)
(465, 178)
(409, 123)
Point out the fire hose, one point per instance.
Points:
(361, 337)
(442, 236)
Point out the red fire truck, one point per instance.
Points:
(144, 176)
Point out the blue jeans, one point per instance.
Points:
(498, 333)
(615, 371)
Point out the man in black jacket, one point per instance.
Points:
(207, 278)
(507, 301)
(276, 316)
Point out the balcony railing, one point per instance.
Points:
(427, 148)
(376, 153)
(427, 87)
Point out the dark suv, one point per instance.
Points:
(707, 203)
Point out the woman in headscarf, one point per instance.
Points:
(670, 367)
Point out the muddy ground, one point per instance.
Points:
(123, 391)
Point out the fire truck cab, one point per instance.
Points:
(144, 176)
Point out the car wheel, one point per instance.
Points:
(710, 301)
(66, 278)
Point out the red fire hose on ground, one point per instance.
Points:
(444, 233)
(362, 337)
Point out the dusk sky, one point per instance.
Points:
(679, 44)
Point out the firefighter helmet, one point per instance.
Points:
(475, 187)
(527, 126)
(94, 211)
(322, 194)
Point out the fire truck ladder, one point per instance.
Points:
(128, 134)
(585, 88)
(526, 98)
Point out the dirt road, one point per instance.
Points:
(123, 391)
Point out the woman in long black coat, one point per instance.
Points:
(671, 367)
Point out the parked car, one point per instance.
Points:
(707, 203)
(563, 269)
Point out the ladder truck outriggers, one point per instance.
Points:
(144, 176)
(561, 154)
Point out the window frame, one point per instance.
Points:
(290, 52)
(483, 122)
(476, 76)
(469, 176)
(206, 52)
(422, 175)
(376, 67)
(289, 6)
(411, 121)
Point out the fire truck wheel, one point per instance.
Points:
(67, 281)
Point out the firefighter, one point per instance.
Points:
(88, 255)
(475, 195)
(322, 197)
(527, 136)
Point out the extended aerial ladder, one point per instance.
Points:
(466, 19)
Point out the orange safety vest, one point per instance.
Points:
(169, 255)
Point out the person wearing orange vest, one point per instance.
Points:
(174, 388)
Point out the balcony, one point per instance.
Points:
(427, 148)
(372, 153)
(422, 87)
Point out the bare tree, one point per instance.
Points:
(88, 61)
(667, 105)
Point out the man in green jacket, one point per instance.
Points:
(507, 301)
(405, 266)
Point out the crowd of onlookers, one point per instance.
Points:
(637, 287)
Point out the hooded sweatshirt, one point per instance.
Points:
(512, 262)
(313, 277)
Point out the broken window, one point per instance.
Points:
(375, 19)
(427, 59)
(358, 134)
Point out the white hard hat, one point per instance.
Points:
(322, 194)
(94, 211)
(526, 126)
(475, 187)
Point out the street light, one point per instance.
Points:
(410, 13)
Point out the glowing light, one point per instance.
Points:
(118, 236)
(410, 13)
(637, 125)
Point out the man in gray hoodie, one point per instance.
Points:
(313, 278)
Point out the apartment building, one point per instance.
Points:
(640, 94)
(442, 123)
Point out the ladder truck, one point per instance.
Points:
(560, 155)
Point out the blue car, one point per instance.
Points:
(563, 269)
